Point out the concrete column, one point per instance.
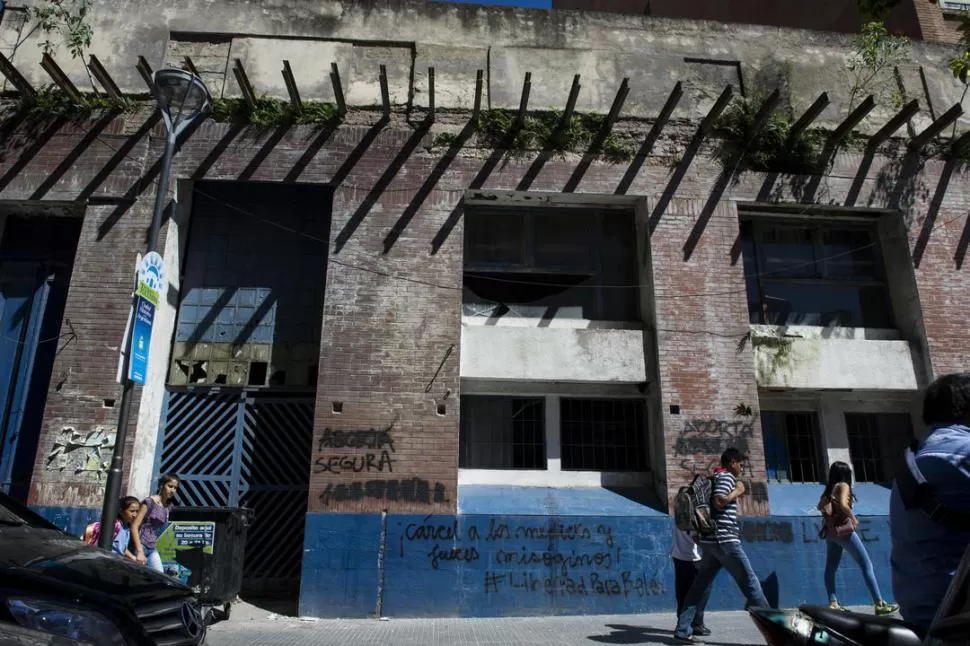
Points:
(160, 353)
(553, 457)
(835, 439)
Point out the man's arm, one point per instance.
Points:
(723, 498)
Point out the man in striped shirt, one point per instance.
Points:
(724, 549)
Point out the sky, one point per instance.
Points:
(542, 4)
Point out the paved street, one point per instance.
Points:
(250, 625)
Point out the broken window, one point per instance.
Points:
(819, 273)
(547, 263)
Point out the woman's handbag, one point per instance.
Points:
(837, 523)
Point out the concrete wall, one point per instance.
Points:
(831, 15)
(474, 565)
(552, 354)
(504, 42)
(824, 359)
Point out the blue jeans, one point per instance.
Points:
(732, 558)
(853, 545)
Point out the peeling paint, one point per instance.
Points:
(81, 452)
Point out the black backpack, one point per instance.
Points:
(692, 507)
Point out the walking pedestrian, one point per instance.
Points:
(724, 549)
(686, 556)
(840, 536)
(121, 541)
(151, 520)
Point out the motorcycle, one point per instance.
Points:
(812, 624)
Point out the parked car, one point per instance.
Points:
(55, 584)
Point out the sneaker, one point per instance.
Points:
(702, 631)
(685, 639)
(835, 605)
(883, 608)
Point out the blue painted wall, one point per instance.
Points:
(476, 565)
(72, 520)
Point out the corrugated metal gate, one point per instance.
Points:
(249, 448)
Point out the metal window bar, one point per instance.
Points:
(792, 446)
(864, 447)
(502, 433)
(802, 437)
(603, 435)
(875, 442)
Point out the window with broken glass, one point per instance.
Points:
(505, 432)
(547, 263)
(814, 273)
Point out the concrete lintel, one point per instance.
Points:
(499, 387)
(480, 197)
(808, 210)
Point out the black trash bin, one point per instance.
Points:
(204, 547)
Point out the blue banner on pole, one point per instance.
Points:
(141, 337)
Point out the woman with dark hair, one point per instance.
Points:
(151, 520)
(840, 536)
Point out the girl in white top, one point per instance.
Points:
(686, 555)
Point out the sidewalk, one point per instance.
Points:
(252, 626)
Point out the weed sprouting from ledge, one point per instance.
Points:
(51, 101)
(274, 112)
(543, 130)
(771, 148)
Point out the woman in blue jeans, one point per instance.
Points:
(840, 535)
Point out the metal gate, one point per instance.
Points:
(250, 449)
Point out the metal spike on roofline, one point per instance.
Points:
(809, 116)
(851, 121)
(146, 73)
(190, 66)
(338, 89)
(291, 89)
(761, 118)
(479, 83)
(385, 92)
(906, 113)
(431, 115)
(947, 118)
(249, 95)
(524, 101)
(61, 79)
(617, 106)
(571, 101)
(15, 77)
(101, 74)
(715, 112)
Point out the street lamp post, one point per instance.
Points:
(182, 98)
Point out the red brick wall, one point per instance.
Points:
(384, 338)
(100, 160)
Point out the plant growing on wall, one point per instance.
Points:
(872, 64)
(274, 112)
(960, 65)
(771, 149)
(777, 355)
(64, 22)
(544, 130)
(51, 101)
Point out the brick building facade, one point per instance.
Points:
(434, 365)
